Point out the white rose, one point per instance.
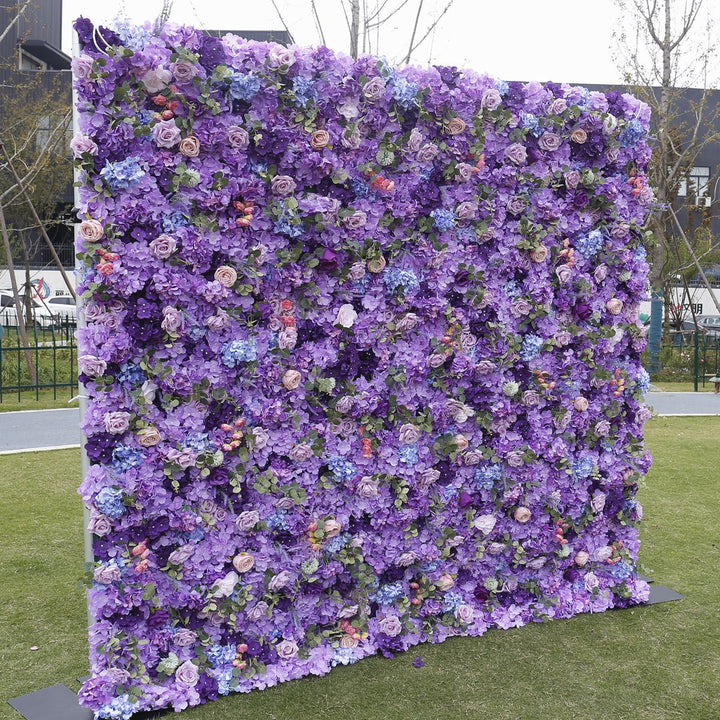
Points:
(346, 316)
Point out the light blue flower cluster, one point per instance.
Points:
(284, 226)
(238, 351)
(224, 678)
(119, 708)
(343, 656)
(123, 174)
(530, 123)
(109, 501)
(621, 570)
(220, 654)
(582, 467)
(640, 254)
(405, 93)
(304, 91)
(134, 37)
(487, 475)
(244, 86)
(389, 593)
(174, 220)
(336, 544)
(531, 346)
(131, 374)
(278, 521)
(124, 458)
(590, 244)
(632, 133)
(408, 454)
(444, 219)
(400, 278)
(342, 469)
(198, 443)
(643, 381)
(452, 600)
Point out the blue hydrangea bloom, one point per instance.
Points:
(238, 351)
(530, 123)
(621, 570)
(582, 468)
(399, 278)
(133, 36)
(278, 521)
(123, 174)
(444, 219)
(244, 86)
(408, 454)
(283, 226)
(404, 92)
(341, 468)
(388, 594)
(220, 654)
(337, 543)
(343, 656)
(124, 458)
(643, 381)
(589, 244)
(174, 220)
(640, 254)
(224, 678)
(131, 374)
(109, 501)
(451, 601)
(487, 475)
(632, 133)
(531, 346)
(119, 708)
(501, 86)
(304, 90)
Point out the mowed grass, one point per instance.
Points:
(648, 663)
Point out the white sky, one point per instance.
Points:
(559, 40)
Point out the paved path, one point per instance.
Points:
(39, 430)
(30, 430)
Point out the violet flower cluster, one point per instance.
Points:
(363, 355)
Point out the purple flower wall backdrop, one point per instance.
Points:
(362, 352)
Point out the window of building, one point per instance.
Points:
(696, 184)
(30, 62)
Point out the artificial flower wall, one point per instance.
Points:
(363, 356)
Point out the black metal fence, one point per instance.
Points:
(48, 361)
(692, 357)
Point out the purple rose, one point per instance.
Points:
(116, 423)
(301, 452)
(187, 674)
(427, 152)
(81, 144)
(163, 246)
(366, 487)
(172, 321)
(166, 133)
(286, 649)
(183, 71)
(258, 611)
(279, 581)
(491, 99)
(572, 179)
(516, 204)
(238, 137)
(409, 434)
(184, 637)
(283, 185)
(181, 555)
(355, 221)
(391, 626)
(374, 88)
(91, 365)
(106, 574)
(549, 141)
(465, 613)
(516, 153)
(466, 210)
(564, 273)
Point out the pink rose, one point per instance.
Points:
(280, 57)
(81, 144)
(580, 403)
(149, 436)
(319, 139)
(579, 136)
(238, 137)
(614, 306)
(189, 146)
(445, 583)
(91, 231)
(291, 379)
(377, 264)
(456, 126)
(581, 558)
(485, 523)
(243, 562)
(539, 254)
(282, 185)
(116, 423)
(332, 528)
(226, 275)
(346, 316)
(156, 79)
(461, 442)
(522, 514)
(166, 134)
(187, 674)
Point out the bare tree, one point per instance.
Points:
(666, 50)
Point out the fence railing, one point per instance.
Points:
(47, 362)
(690, 357)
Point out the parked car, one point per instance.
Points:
(41, 315)
(710, 323)
(62, 307)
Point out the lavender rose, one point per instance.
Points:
(391, 626)
(187, 674)
(172, 321)
(184, 638)
(366, 487)
(491, 99)
(282, 185)
(516, 153)
(181, 555)
(374, 88)
(166, 134)
(106, 574)
(238, 137)
(163, 246)
(409, 434)
(485, 523)
(247, 520)
(116, 423)
(465, 613)
(189, 146)
(301, 452)
(81, 144)
(91, 365)
(279, 581)
(286, 649)
(549, 141)
(183, 71)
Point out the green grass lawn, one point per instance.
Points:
(645, 663)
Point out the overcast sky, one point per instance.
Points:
(559, 40)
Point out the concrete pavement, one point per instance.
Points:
(33, 430)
